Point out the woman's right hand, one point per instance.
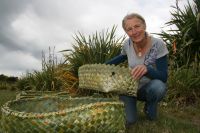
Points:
(138, 71)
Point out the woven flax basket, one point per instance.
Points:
(107, 78)
(63, 115)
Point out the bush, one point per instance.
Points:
(184, 86)
(184, 37)
(45, 80)
(96, 48)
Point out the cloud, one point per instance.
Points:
(17, 62)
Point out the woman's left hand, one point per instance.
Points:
(138, 71)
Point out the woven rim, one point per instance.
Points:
(6, 107)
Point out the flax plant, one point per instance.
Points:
(45, 80)
(68, 79)
(183, 86)
(183, 41)
(183, 38)
(96, 48)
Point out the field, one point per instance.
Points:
(6, 95)
(171, 119)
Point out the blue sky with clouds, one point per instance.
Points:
(28, 27)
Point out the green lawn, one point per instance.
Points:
(6, 95)
(171, 119)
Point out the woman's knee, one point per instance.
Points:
(157, 89)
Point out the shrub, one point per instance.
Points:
(96, 48)
(45, 80)
(184, 86)
(183, 38)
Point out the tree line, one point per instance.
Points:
(9, 79)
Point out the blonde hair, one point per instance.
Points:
(130, 16)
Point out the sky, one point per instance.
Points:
(28, 27)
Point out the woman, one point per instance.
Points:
(147, 58)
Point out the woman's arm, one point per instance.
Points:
(161, 70)
(117, 59)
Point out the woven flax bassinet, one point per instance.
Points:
(51, 112)
(63, 115)
(107, 78)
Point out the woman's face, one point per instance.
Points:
(135, 29)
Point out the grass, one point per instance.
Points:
(6, 95)
(171, 119)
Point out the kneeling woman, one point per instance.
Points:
(147, 59)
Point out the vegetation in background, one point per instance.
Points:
(45, 80)
(184, 38)
(183, 86)
(183, 42)
(8, 83)
(96, 48)
(69, 80)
